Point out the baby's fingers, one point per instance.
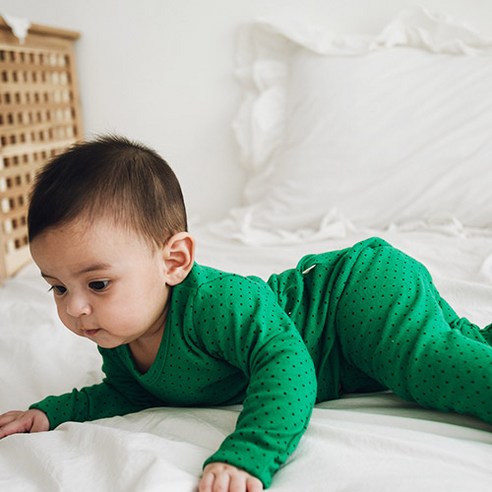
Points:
(19, 422)
(8, 417)
(9, 423)
(221, 477)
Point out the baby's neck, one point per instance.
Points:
(144, 350)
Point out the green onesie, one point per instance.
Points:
(361, 319)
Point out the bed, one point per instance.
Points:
(342, 139)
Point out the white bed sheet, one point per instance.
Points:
(361, 443)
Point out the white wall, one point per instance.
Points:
(161, 71)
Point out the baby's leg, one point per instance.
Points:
(487, 334)
(394, 327)
(467, 328)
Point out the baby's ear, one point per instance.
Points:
(179, 256)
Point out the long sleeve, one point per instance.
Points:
(117, 394)
(240, 322)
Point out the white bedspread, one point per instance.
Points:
(361, 443)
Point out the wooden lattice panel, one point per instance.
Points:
(39, 118)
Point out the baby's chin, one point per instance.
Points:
(101, 338)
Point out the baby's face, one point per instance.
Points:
(109, 285)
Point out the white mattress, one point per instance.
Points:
(360, 443)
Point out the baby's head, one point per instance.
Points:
(111, 178)
(107, 229)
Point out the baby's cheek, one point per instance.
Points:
(62, 314)
(67, 322)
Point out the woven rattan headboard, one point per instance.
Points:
(39, 117)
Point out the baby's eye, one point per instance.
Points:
(58, 290)
(98, 285)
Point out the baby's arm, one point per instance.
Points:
(118, 394)
(18, 421)
(248, 329)
(222, 476)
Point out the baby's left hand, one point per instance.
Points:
(221, 477)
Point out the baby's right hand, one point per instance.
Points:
(18, 421)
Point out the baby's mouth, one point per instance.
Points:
(91, 333)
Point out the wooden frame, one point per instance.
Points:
(39, 117)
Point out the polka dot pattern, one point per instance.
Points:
(360, 319)
(395, 330)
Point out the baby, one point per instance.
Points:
(108, 231)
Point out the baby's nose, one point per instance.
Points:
(77, 306)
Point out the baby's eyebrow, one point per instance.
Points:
(88, 269)
(92, 268)
(46, 275)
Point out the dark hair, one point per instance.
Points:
(114, 177)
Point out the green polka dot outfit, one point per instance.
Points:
(361, 319)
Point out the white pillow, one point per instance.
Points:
(370, 131)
